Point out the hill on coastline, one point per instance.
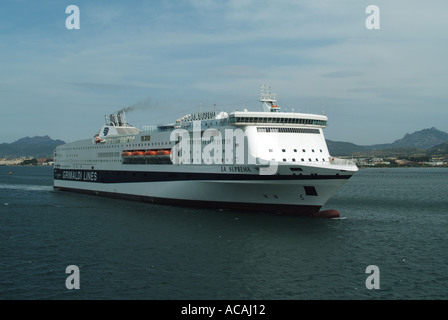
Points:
(427, 141)
(438, 149)
(422, 141)
(37, 147)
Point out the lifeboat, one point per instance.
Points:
(163, 152)
(150, 153)
(138, 153)
(126, 154)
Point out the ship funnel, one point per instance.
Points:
(113, 119)
(121, 118)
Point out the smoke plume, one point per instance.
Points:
(141, 105)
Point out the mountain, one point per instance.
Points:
(37, 147)
(430, 141)
(338, 148)
(439, 149)
(38, 140)
(418, 142)
(423, 139)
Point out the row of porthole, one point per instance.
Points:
(302, 159)
(295, 150)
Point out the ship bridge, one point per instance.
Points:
(272, 115)
(278, 118)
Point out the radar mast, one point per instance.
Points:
(268, 99)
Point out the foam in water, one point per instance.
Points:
(30, 187)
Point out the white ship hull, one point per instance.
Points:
(294, 194)
(285, 200)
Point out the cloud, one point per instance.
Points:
(102, 86)
(183, 53)
(239, 71)
(343, 74)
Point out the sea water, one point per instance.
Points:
(393, 219)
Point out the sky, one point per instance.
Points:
(173, 57)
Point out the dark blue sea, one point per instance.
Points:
(394, 219)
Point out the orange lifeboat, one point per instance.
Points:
(163, 152)
(126, 154)
(138, 153)
(150, 153)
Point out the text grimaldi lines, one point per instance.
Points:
(80, 175)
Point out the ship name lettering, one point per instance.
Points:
(79, 175)
(90, 176)
(72, 175)
(235, 169)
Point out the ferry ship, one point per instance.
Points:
(266, 160)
